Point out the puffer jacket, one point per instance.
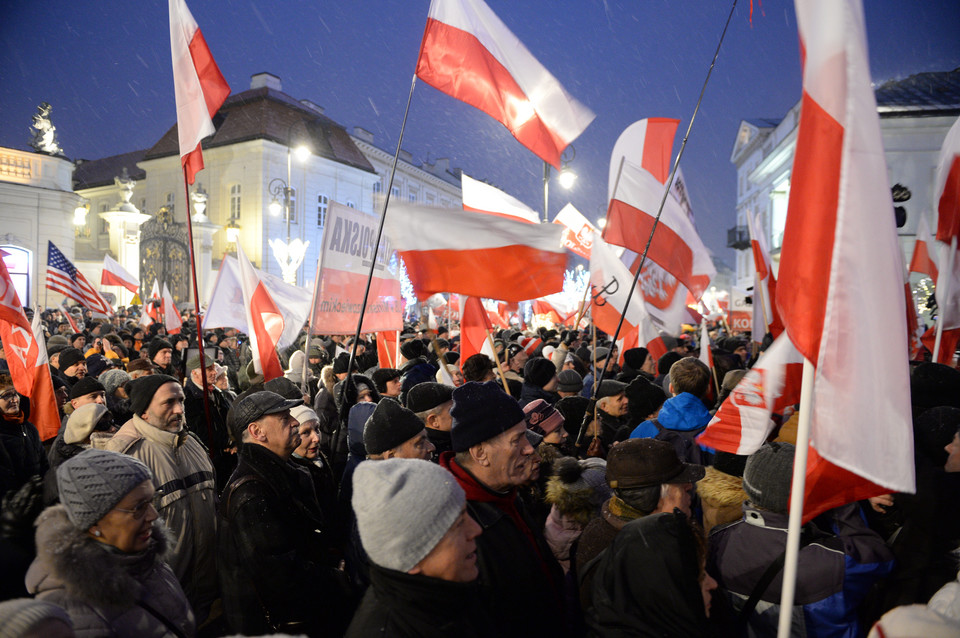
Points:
(836, 570)
(107, 592)
(185, 498)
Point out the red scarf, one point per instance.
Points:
(17, 418)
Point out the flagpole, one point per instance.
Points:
(306, 345)
(941, 299)
(199, 322)
(383, 217)
(795, 525)
(496, 359)
(669, 184)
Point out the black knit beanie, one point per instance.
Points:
(480, 412)
(143, 389)
(390, 425)
(539, 371)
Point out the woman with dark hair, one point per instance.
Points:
(651, 581)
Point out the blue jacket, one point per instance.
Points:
(835, 571)
(683, 413)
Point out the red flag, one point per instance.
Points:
(450, 250)
(198, 85)
(922, 261)
(387, 348)
(263, 318)
(469, 54)
(706, 355)
(116, 275)
(948, 344)
(835, 262)
(947, 192)
(765, 292)
(474, 327)
(578, 232)
(26, 356)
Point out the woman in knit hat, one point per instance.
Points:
(576, 492)
(100, 553)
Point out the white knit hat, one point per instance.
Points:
(404, 507)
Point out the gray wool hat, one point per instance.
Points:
(94, 481)
(113, 379)
(404, 507)
(569, 381)
(767, 476)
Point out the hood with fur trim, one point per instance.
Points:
(720, 489)
(89, 571)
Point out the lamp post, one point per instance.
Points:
(288, 254)
(566, 177)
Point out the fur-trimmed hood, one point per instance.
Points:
(721, 490)
(90, 571)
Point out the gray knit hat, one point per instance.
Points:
(767, 476)
(94, 481)
(404, 507)
(113, 379)
(22, 615)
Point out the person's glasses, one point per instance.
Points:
(9, 396)
(139, 511)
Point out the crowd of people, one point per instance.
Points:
(555, 489)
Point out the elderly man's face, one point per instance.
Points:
(93, 397)
(78, 370)
(507, 455)
(615, 405)
(163, 357)
(454, 558)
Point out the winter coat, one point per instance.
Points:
(680, 420)
(415, 372)
(399, 605)
(277, 567)
(722, 498)
(186, 499)
(560, 532)
(530, 393)
(597, 536)
(612, 429)
(835, 571)
(59, 452)
(107, 592)
(21, 454)
(326, 409)
(647, 582)
(196, 419)
(521, 584)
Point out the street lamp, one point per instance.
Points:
(567, 177)
(288, 254)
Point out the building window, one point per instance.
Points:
(431, 200)
(322, 203)
(395, 191)
(412, 195)
(351, 204)
(377, 187)
(235, 202)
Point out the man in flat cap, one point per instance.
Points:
(432, 402)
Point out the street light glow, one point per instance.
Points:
(275, 207)
(567, 178)
(302, 152)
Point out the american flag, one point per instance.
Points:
(63, 277)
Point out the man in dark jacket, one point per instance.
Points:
(413, 523)
(223, 460)
(278, 573)
(520, 581)
(539, 381)
(432, 402)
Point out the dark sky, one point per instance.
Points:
(105, 67)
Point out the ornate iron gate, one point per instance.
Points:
(164, 254)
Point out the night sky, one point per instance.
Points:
(105, 67)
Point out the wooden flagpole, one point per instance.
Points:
(496, 359)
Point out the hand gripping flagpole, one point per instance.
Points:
(663, 200)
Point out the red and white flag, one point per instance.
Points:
(469, 54)
(743, 423)
(474, 328)
(151, 306)
(387, 348)
(578, 232)
(26, 356)
(765, 288)
(63, 277)
(923, 261)
(263, 319)
(484, 198)
(116, 275)
(859, 446)
(450, 250)
(198, 85)
(947, 196)
(647, 143)
(706, 355)
(169, 312)
(70, 319)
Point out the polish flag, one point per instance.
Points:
(198, 85)
(26, 356)
(450, 250)
(387, 344)
(169, 312)
(496, 319)
(706, 355)
(743, 423)
(578, 232)
(835, 262)
(948, 344)
(70, 319)
(923, 261)
(545, 312)
(151, 308)
(484, 198)
(646, 143)
(947, 195)
(115, 275)
(765, 290)
(474, 328)
(469, 54)
(263, 318)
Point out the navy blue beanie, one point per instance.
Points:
(480, 412)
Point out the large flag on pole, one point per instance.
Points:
(484, 198)
(861, 439)
(198, 85)
(169, 312)
(263, 318)
(578, 232)
(26, 356)
(116, 275)
(474, 328)
(765, 289)
(469, 54)
(922, 261)
(450, 250)
(63, 277)
(947, 196)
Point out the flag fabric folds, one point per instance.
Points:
(198, 86)
(923, 261)
(765, 288)
(838, 258)
(578, 232)
(450, 250)
(646, 143)
(264, 320)
(63, 277)
(468, 53)
(116, 275)
(169, 312)
(947, 189)
(484, 198)
(70, 319)
(26, 355)
(474, 327)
